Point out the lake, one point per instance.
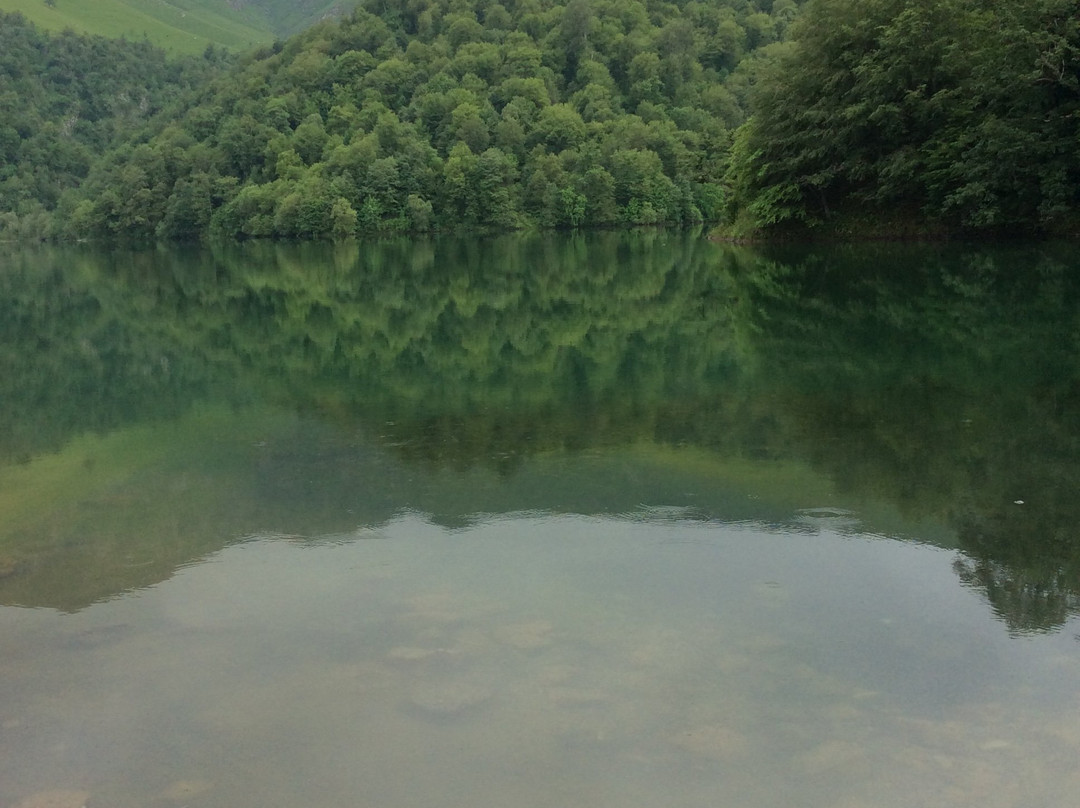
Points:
(618, 519)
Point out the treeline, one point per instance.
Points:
(915, 116)
(67, 99)
(866, 117)
(414, 115)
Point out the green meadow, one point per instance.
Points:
(180, 26)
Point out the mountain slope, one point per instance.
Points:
(180, 26)
(427, 114)
(288, 17)
(66, 99)
(436, 115)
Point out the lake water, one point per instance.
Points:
(609, 520)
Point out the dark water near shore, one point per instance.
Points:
(616, 520)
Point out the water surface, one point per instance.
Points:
(622, 520)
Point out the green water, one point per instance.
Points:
(607, 520)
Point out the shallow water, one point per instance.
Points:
(535, 659)
(757, 570)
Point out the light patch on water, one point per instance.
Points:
(541, 660)
(837, 520)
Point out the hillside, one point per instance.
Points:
(837, 119)
(67, 99)
(182, 26)
(437, 115)
(179, 26)
(288, 17)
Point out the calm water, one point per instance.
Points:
(619, 520)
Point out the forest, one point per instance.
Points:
(915, 117)
(414, 116)
(770, 117)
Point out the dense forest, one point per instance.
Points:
(895, 117)
(839, 117)
(67, 99)
(435, 115)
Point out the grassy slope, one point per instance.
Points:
(181, 26)
(288, 17)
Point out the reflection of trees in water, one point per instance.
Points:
(1026, 603)
(937, 378)
(481, 353)
(952, 389)
(1025, 553)
(76, 355)
(511, 332)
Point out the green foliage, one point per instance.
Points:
(877, 115)
(67, 99)
(438, 115)
(961, 113)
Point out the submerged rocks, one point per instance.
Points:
(525, 636)
(449, 699)
(8, 567)
(181, 791)
(56, 798)
(714, 742)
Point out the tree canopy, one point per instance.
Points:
(64, 101)
(843, 117)
(942, 114)
(432, 114)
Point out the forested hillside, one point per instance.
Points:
(433, 114)
(916, 116)
(67, 99)
(846, 118)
